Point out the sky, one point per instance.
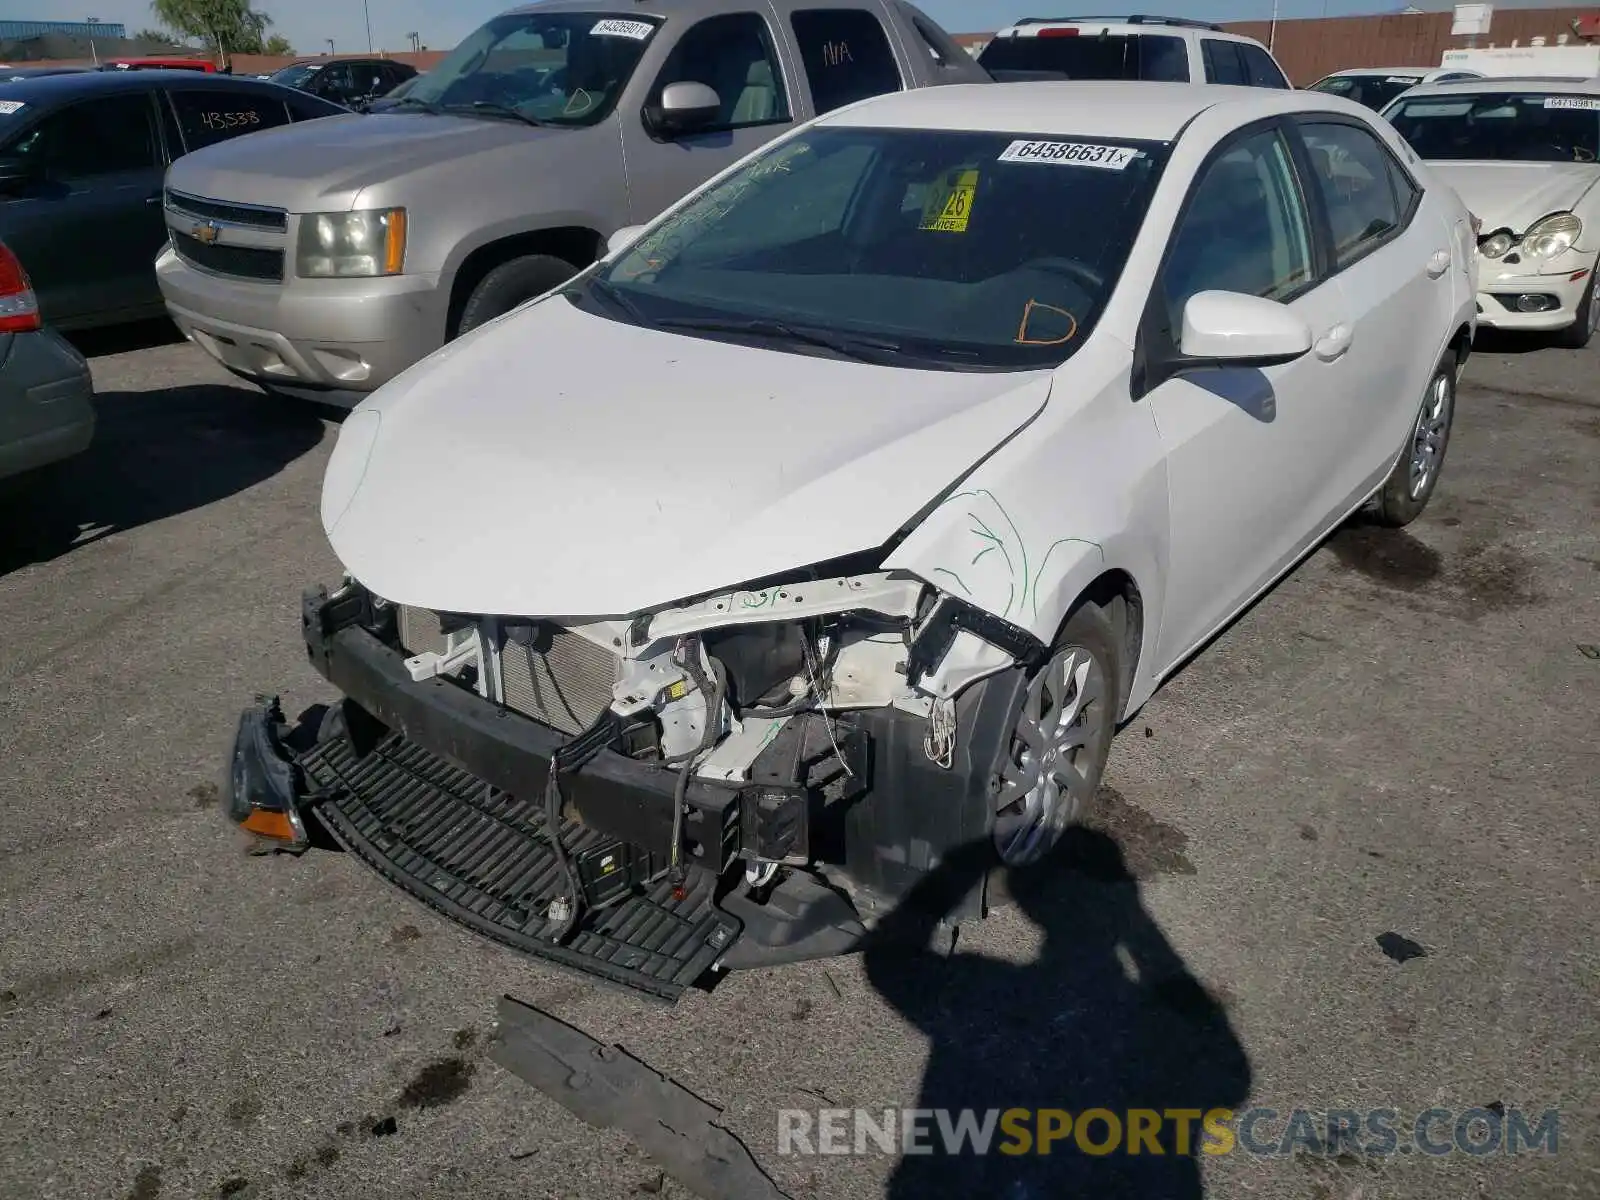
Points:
(308, 24)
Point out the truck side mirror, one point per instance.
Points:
(685, 106)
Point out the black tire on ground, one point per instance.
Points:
(1581, 332)
(1400, 501)
(1087, 628)
(510, 284)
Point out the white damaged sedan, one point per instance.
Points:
(835, 520)
(1524, 154)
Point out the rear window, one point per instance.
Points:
(1146, 56)
(1374, 91)
(208, 117)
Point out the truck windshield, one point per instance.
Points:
(558, 68)
(955, 250)
(1501, 126)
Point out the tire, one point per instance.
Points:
(1060, 739)
(1581, 332)
(510, 284)
(1406, 492)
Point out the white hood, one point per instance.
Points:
(559, 464)
(1515, 195)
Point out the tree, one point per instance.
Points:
(155, 35)
(223, 26)
(279, 45)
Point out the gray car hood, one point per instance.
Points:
(324, 165)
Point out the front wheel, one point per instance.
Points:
(1406, 492)
(1060, 740)
(1581, 332)
(510, 284)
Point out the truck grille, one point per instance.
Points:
(245, 262)
(557, 677)
(234, 214)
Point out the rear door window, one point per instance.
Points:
(1223, 64)
(1367, 196)
(846, 56)
(1149, 56)
(206, 117)
(1260, 68)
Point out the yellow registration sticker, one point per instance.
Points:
(949, 208)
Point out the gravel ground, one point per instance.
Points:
(1400, 738)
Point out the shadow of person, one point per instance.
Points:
(155, 454)
(1107, 1017)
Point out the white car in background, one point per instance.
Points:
(1524, 154)
(921, 446)
(1374, 87)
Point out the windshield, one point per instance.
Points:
(1501, 126)
(1372, 90)
(1145, 56)
(561, 68)
(295, 76)
(977, 251)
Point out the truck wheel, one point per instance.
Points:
(1578, 335)
(1405, 493)
(1060, 740)
(510, 284)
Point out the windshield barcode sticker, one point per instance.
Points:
(7, 107)
(1400, 79)
(637, 30)
(1070, 154)
(1572, 101)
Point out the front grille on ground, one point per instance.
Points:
(553, 675)
(479, 857)
(245, 262)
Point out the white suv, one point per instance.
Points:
(1163, 49)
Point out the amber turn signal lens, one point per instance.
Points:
(275, 825)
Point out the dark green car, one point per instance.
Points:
(82, 161)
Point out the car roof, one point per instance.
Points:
(1137, 110)
(1419, 72)
(53, 89)
(1508, 83)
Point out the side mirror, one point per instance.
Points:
(1220, 330)
(622, 239)
(1229, 329)
(686, 106)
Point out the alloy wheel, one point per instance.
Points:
(1428, 438)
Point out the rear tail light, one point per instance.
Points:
(19, 310)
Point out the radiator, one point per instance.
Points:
(554, 676)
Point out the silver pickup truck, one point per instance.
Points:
(322, 260)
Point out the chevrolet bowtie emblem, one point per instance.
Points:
(205, 234)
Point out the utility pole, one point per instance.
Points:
(330, 45)
(367, 13)
(93, 53)
(1272, 29)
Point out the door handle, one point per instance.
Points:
(1438, 263)
(1334, 343)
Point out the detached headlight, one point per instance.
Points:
(351, 244)
(1552, 236)
(1496, 244)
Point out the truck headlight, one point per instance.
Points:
(1551, 236)
(364, 243)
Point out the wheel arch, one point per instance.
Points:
(577, 244)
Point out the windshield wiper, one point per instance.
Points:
(863, 349)
(614, 296)
(427, 106)
(494, 106)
